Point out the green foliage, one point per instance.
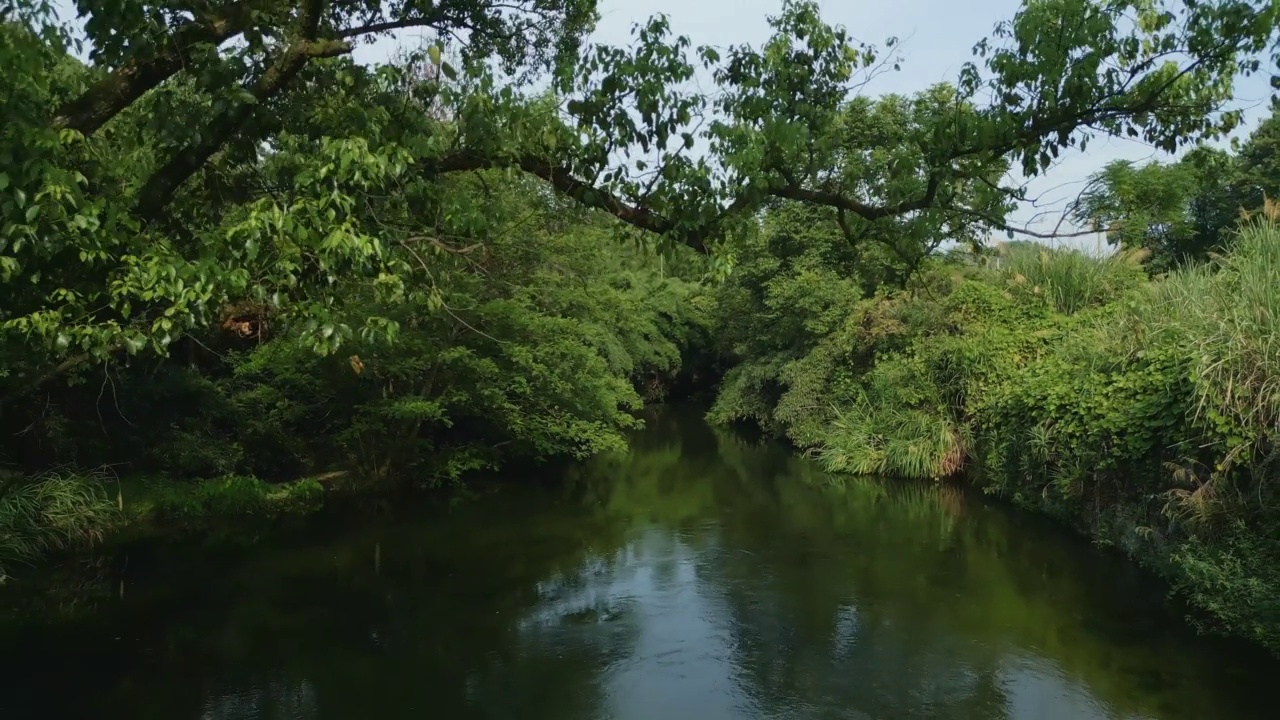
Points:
(1231, 327)
(124, 230)
(1161, 437)
(1182, 213)
(1142, 412)
(898, 427)
(438, 265)
(335, 269)
(1233, 577)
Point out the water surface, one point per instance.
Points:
(701, 576)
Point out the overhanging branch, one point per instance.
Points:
(161, 186)
(111, 95)
(863, 210)
(567, 184)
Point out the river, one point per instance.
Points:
(700, 576)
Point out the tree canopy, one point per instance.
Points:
(218, 151)
(1184, 211)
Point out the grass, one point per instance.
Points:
(156, 501)
(1225, 316)
(1070, 279)
(68, 510)
(59, 510)
(1233, 320)
(893, 442)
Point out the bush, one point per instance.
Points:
(1144, 412)
(1235, 579)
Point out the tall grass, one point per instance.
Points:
(1070, 279)
(1225, 316)
(1236, 330)
(59, 510)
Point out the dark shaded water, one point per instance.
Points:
(699, 577)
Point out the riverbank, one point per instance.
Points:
(73, 514)
(1142, 411)
(65, 513)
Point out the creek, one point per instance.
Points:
(700, 576)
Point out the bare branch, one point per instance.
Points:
(999, 224)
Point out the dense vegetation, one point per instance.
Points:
(233, 261)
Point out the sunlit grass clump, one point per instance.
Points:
(59, 510)
(1069, 279)
(1228, 314)
(893, 442)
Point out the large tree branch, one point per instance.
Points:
(111, 95)
(108, 97)
(567, 184)
(432, 20)
(1111, 107)
(161, 186)
(586, 194)
(863, 210)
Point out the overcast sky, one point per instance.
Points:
(937, 39)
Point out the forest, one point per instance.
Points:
(243, 275)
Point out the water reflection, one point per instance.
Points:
(700, 576)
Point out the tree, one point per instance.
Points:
(1183, 212)
(135, 209)
(1179, 212)
(1060, 72)
(1258, 164)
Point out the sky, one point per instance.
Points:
(937, 37)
